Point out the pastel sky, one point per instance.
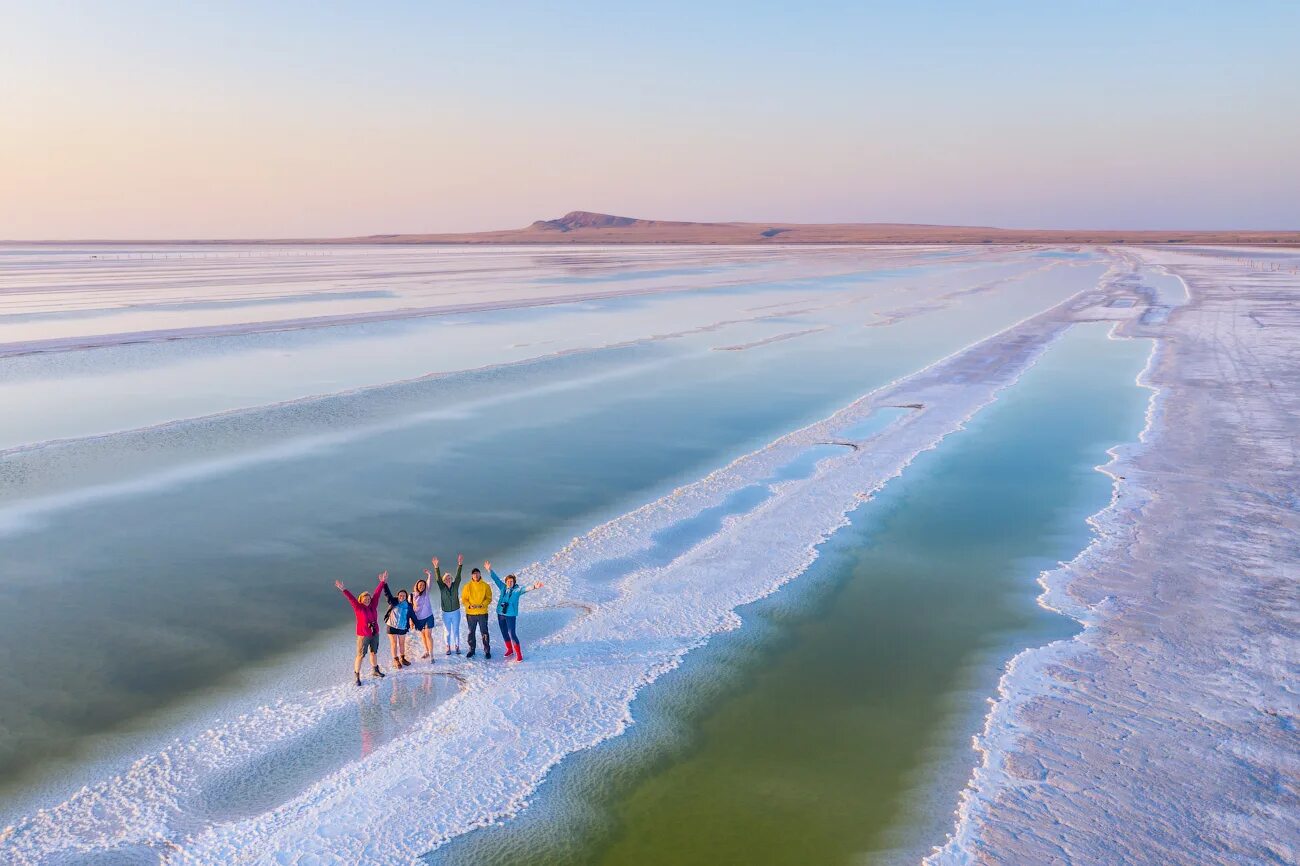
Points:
(294, 119)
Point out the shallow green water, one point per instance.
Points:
(250, 553)
(834, 725)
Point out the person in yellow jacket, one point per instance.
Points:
(476, 598)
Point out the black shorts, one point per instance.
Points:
(423, 624)
(392, 630)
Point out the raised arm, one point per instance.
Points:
(352, 599)
(436, 570)
(382, 585)
(501, 584)
(460, 565)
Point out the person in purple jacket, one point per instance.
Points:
(422, 601)
(365, 608)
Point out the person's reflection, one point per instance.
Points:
(395, 695)
(409, 693)
(369, 714)
(381, 719)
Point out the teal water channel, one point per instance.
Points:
(834, 726)
(196, 576)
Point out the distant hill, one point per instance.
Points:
(589, 227)
(585, 219)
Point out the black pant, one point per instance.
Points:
(478, 620)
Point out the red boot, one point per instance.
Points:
(519, 652)
(510, 649)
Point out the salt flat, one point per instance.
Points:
(649, 429)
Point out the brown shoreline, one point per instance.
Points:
(583, 227)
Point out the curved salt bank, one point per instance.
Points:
(581, 681)
(1165, 731)
(447, 775)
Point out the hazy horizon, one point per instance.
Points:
(156, 122)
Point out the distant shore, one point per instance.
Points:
(585, 227)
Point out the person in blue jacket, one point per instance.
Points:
(401, 616)
(508, 610)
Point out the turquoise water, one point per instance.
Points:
(180, 587)
(874, 423)
(834, 726)
(198, 682)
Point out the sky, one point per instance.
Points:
(141, 119)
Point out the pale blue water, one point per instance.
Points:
(875, 422)
(191, 564)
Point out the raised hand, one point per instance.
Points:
(460, 559)
(487, 566)
(383, 576)
(338, 584)
(435, 562)
(538, 585)
(428, 574)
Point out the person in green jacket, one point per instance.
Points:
(449, 589)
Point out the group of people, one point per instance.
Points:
(413, 611)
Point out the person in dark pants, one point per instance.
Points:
(422, 602)
(476, 598)
(508, 610)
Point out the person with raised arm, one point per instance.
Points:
(476, 596)
(422, 602)
(364, 607)
(508, 610)
(450, 591)
(400, 616)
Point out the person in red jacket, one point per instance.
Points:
(365, 609)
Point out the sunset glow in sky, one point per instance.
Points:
(153, 119)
